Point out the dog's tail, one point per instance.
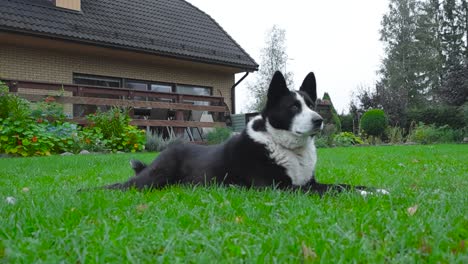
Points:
(136, 165)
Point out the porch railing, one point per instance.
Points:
(179, 106)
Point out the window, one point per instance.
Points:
(93, 80)
(97, 80)
(136, 85)
(165, 88)
(141, 85)
(194, 90)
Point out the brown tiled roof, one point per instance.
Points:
(172, 28)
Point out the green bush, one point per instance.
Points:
(218, 135)
(44, 132)
(321, 142)
(48, 110)
(328, 133)
(12, 106)
(395, 134)
(336, 121)
(345, 139)
(439, 115)
(156, 142)
(429, 134)
(112, 130)
(374, 122)
(25, 137)
(464, 111)
(346, 123)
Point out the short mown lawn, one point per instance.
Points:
(424, 219)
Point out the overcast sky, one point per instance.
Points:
(336, 39)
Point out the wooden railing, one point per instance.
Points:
(179, 104)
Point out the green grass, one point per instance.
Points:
(50, 222)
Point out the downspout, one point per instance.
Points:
(233, 93)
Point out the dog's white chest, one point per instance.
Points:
(299, 164)
(296, 154)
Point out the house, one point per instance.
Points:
(163, 46)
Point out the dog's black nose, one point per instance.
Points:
(317, 122)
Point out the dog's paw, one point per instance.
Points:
(377, 191)
(382, 191)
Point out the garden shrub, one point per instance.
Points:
(218, 135)
(44, 131)
(439, 115)
(23, 137)
(374, 122)
(48, 110)
(321, 142)
(345, 139)
(112, 130)
(336, 121)
(328, 133)
(27, 138)
(395, 135)
(157, 143)
(429, 134)
(12, 106)
(346, 123)
(464, 111)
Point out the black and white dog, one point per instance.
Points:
(276, 149)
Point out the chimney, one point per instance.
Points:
(69, 4)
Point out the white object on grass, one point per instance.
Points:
(10, 200)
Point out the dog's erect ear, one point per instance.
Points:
(309, 86)
(277, 89)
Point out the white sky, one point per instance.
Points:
(336, 39)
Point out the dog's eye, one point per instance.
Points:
(294, 108)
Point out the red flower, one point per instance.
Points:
(34, 139)
(20, 142)
(49, 99)
(39, 120)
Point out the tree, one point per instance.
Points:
(398, 75)
(335, 119)
(428, 44)
(411, 71)
(464, 5)
(454, 90)
(273, 58)
(453, 33)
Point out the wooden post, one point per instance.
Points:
(13, 87)
(131, 96)
(179, 115)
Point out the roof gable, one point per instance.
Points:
(172, 28)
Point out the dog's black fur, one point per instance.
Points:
(243, 160)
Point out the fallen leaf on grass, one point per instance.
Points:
(460, 248)
(412, 210)
(308, 253)
(141, 208)
(25, 189)
(425, 248)
(239, 219)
